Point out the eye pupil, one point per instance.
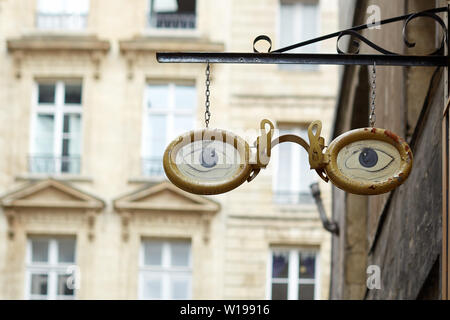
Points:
(368, 158)
(208, 157)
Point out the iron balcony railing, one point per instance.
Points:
(54, 164)
(292, 197)
(152, 167)
(172, 21)
(61, 21)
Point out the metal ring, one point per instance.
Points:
(262, 37)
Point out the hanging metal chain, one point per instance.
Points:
(207, 93)
(372, 116)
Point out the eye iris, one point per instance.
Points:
(208, 157)
(368, 158)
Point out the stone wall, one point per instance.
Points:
(233, 262)
(400, 231)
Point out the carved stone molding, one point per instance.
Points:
(206, 219)
(125, 217)
(11, 219)
(32, 44)
(138, 46)
(165, 201)
(48, 196)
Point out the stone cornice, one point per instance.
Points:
(78, 199)
(153, 44)
(50, 194)
(57, 43)
(138, 201)
(139, 45)
(30, 44)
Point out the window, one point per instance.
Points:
(62, 14)
(165, 271)
(293, 275)
(299, 21)
(172, 14)
(56, 128)
(293, 175)
(169, 112)
(48, 271)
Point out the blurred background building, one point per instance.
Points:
(400, 232)
(85, 115)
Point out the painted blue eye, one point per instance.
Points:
(208, 157)
(368, 158)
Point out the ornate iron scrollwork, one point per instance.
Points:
(432, 13)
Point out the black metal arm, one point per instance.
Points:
(436, 58)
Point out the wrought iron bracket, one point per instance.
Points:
(386, 57)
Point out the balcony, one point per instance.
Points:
(61, 21)
(54, 164)
(292, 197)
(153, 167)
(172, 21)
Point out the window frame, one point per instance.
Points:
(165, 271)
(58, 110)
(62, 14)
(298, 17)
(170, 112)
(301, 130)
(52, 268)
(194, 32)
(293, 280)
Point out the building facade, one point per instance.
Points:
(391, 246)
(86, 113)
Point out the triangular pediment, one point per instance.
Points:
(165, 197)
(50, 193)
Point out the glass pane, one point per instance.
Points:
(307, 265)
(306, 292)
(180, 254)
(50, 6)
(39, 250)
(284, 167)
(72, 94)
(157, 96)
(182, 124)
(279, 291)
(172, 14)
(287, 25)
(165, 5)
(152, 288)
(157, 138)
(46, 93)
(72, 130)
(39, 284)
(66, 250)
(77, 7)
(180, 288)
(185, 97)
(43, 141)
(63, 289)
(309, 26)
(153, 253)
(280, 264)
